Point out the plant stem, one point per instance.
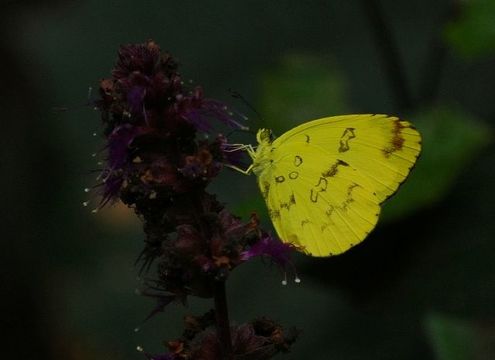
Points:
(435, 63)
(389, 54)
(222, 318)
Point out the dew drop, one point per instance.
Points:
(94, 211)
(137, 329)
(94, 134)
(93, 155)
(87, 190)
(284, 282)
(297, 280)
(139, 348)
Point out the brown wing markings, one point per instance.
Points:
(347, 136)
(334, 168)
(293, 175)
(298, 160)
(397, 141)
(287, 205)
(266, 189)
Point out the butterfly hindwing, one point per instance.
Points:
(321, 204)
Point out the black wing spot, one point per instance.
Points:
(280, 179)
(298, 160)
(293, 175)
(307, 138)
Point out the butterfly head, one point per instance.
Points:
(264, 136)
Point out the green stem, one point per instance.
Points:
(222, 319)
(389, 54)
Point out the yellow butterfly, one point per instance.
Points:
(323, 181)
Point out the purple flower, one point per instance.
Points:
(277, 251)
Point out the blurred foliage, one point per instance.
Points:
(451, 139)
(69, 275)
(452, 339)
(299, 88)
(455, 339)
(473, 33)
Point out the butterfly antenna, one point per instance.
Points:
(237, 95)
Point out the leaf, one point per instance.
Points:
(302, 88)
(473, 33)
(451, 139)
(455, 339)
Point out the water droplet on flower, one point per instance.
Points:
(94, 134)
(284, 282)
(137, 329)
(94, 211)
(139, 348)
(297, 280)
(87, 189)
(93, 155)
(231, 113)
(100, 162)
(86, 203)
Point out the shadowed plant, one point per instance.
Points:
(161, 153)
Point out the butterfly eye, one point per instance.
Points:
(264, 136)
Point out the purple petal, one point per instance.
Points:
(277, 251)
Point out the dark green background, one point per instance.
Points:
(421, 287)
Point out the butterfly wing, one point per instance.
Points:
(328, 177)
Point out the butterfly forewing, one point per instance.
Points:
(327, 177)
(381, 147)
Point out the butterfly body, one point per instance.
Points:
(323, 181)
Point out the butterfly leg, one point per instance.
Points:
(242, 171)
